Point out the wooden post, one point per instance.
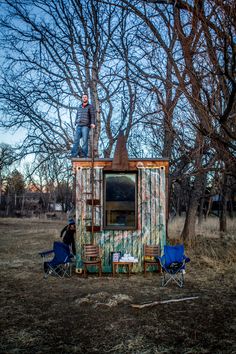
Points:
(92, 187)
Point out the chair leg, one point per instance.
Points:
(178, 278)
(145, 270)
(100, 270)
(163, 279)
(85, 271)
(70, 270)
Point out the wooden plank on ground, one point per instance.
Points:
(154, 303)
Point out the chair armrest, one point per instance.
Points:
(45, 253)
(161, 260)
(69, 259)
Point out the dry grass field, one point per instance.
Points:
(77, 315)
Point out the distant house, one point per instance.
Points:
(55, 206)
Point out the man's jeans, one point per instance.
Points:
(80, 132)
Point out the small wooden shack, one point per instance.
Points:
(120, 210)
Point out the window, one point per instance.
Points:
(120, 201)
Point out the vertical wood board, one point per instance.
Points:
(151, 208)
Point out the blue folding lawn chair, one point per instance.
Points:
(60, 264)
(173, 265)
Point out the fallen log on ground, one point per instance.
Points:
(148, 304)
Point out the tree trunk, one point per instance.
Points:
(223, 204)
(201, 211)
(188, 233)
(202, 206)
(231, 205)
(23, 203)
(0, 186)
(94, 93)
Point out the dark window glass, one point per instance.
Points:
(120, 201)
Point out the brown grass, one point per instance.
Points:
(211, 247)
(94, 315)
(209, 228)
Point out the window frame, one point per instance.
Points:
(120, 227)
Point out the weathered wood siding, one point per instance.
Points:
(151, 215)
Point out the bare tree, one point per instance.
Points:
(14, 189)
(6, 160)
(162, 71)
(54, 51)
(203, 64)
(53, 179)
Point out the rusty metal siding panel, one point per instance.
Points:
(155, 182)
(151, 215)
(145, 200)
(79, 216)
(152, 207)
(162, 213)
(85, 195)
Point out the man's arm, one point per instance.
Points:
(76, 118)
(92, 116)
(63, 231)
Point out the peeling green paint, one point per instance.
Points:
(151, 216)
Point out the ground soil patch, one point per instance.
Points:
(94, 315)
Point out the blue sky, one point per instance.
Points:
(11, 137)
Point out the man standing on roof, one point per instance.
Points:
(85, 119)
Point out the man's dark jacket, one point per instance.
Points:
(85, 115)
